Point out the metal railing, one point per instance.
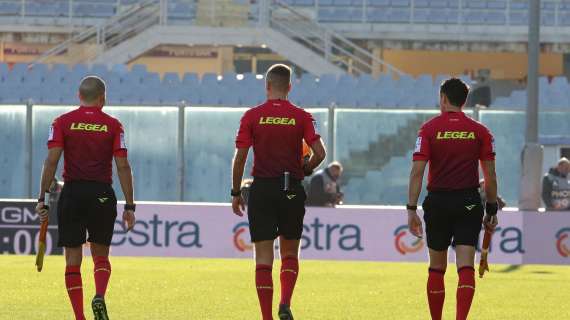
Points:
(323, 40)
(552, 10)
(115, 30)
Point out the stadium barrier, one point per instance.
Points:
(348, 233)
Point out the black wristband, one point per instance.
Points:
(410, 207)
(235, 193)
(41, 199)
(130, 207)
(491, 208)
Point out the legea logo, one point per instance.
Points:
(405, 242)
(562, 239)
(240, 233)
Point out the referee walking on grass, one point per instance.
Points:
(88, 139)
(454, 145)
(276, 205)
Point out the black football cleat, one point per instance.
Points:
(285, 312)
(99, 308)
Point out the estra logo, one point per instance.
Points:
(240, 234)
(405, 242)
(562, 239)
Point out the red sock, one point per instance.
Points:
(465, 291)
(436, 293)
(102, 272)
(289, 272)
(75, 290)
(264, 286)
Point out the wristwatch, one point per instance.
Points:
(235, 193)
(130, 207)
(410, 207)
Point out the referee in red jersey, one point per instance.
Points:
(454, 145)
(276, 204)
(89, 139)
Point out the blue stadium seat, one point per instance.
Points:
(120, 68)
(171, 79)
(400, 3)
(496, 4)
(151, 80)
(11, 8)
(191, 80)
(342, 3)
(379, 3)
(474, 17)
(399, 15)
(519, 5)
(100, 70)
(139, 69)
(421, 4)
(495, 18)
(421, 16)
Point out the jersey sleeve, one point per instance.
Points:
(487, 146)
(119, 145)
(244, 138)
(422, 149)
(55, 136)
(310, 129)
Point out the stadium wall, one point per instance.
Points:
(346, 233)
(503, 65)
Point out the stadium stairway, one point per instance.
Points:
(367, 167)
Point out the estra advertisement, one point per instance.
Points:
(355, 233)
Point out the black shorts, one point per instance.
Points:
(273, 212)
(86, 207)
(453, 217)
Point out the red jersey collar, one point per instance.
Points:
(90, 108)
(451, 113)
(277, 100)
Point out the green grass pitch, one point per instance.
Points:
(174, 288)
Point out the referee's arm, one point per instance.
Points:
(49, 169)
(126, 179)
(48, 174)
(490, 176)
(317, 157)
(414, 190)
(238, 166)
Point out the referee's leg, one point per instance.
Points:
(73, 282)
(264, 276)
(289, 250)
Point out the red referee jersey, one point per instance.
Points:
(89, 138)
(453, 144)
(276, 130)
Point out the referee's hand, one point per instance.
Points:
(129, 219)
(42, 211)
(415, 224)
(238, 205)
(490, 223)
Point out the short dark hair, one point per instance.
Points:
(279, 75)
(91, 88)
(455, 90)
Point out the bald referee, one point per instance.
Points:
(88, 139)
(276, 204)
(454, 145)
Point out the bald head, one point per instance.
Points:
(92, 91)
(278, 78)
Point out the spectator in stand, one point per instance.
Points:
(556, 186)
(324, 189)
